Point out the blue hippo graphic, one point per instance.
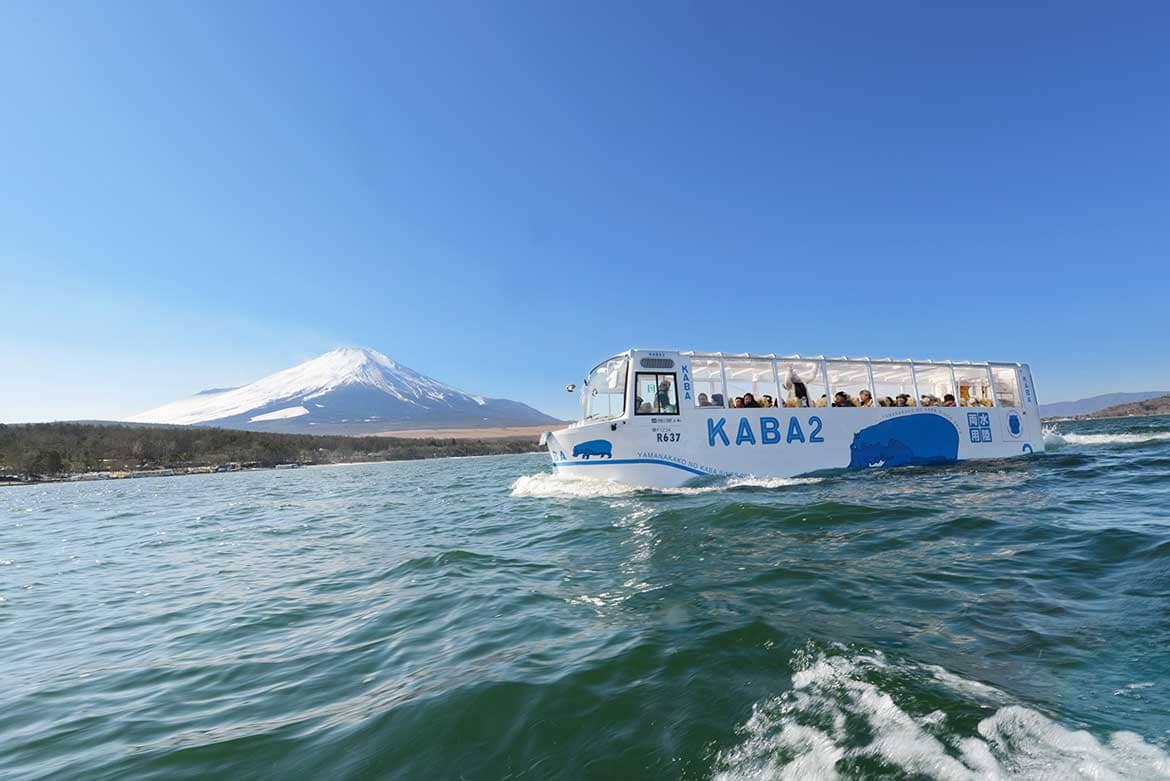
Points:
(908, 440)
(594, 447)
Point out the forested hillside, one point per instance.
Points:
(50, 449)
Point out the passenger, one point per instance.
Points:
(793, 383)
(665, 405)
(646, 408)
(750, 401)
(902, 400)
(767, 402)
(886, 401)
(738, 403)
(841, 399)
(716, 399)
(823, 401)
(928, 400)
(703, 402)
(949, 400)
(864, 398)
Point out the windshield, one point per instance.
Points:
(605, 390)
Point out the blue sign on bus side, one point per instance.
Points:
(770, 431)
(979, 427)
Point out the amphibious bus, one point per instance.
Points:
(662, 418)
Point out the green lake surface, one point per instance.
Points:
(479, 618)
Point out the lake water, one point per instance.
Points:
(478, 618)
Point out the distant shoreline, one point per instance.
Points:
(1150, 408)
(83, 478)
(75, 452)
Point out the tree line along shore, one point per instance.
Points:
(36, 452)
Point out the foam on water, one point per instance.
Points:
(837, 721)
(1054, 439)
(1115, 439)
(547, 485)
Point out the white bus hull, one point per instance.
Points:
(671, 450)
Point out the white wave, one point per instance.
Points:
(802, 733)
(1115, 439)
(547, 485)
(1053, 439)
(743, 482)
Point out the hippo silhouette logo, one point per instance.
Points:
(1014, 424)
(602, 448)
(905, 441)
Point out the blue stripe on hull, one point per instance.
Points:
(608, 461)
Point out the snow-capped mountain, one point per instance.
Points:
(351, 390)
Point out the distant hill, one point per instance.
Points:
(351, 390)
(1068, 409)
(1156, 406)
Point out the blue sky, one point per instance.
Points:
(500, 195)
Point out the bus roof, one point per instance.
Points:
(798, 357)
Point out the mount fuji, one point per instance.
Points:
(350, 390)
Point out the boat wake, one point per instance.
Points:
(1054, 439)
(546, 485)
(849, 714)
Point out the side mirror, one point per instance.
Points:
(570, 387)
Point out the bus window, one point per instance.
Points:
(1007, 389)
(802, 383)
(605, 390)
(707, 382)
(750, 379)
(935, 384)
(849, 384)
(893, 385)
(974, 386)
(656, 394)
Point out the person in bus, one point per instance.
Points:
(792, 382)
(864, 398)
(665, 405)
(949, 400)
(750, 401)
(767, 402)
(738, 403)
(823, 401)
(902, 400)
(841, 399)
(703, 402)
